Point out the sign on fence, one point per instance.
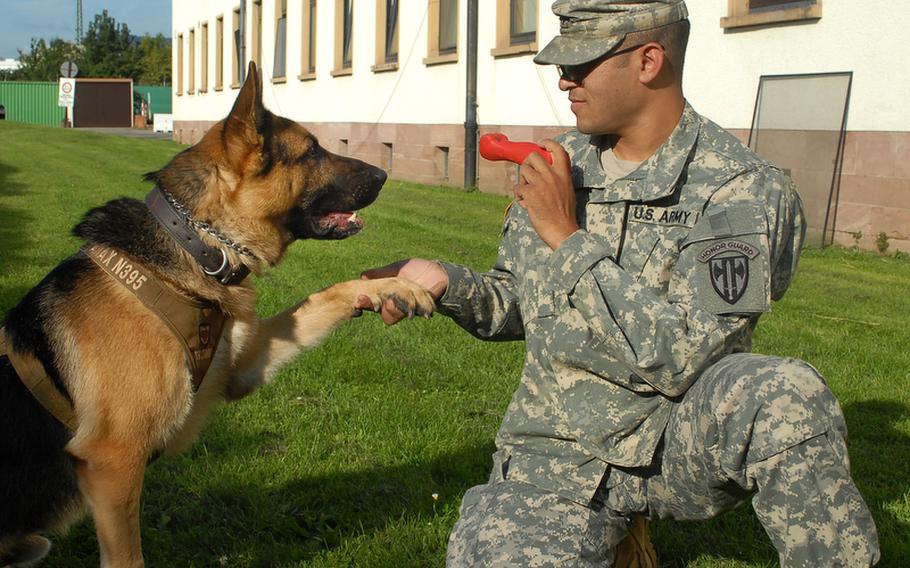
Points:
(66, 93)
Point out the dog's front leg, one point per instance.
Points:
(281, 338)
(111, 480)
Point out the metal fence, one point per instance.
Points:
(32, 102)
(36, 102)
(158, 98)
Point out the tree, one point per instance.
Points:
(108, 50)
(154, 60)
(42, 62)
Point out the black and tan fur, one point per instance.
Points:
(263, 181)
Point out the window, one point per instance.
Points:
(516, 27)
(219, 53)
(388, 156)
(204, 58)
(523, 22)
(281, 35)
(743, 13)
(386, 35)
(191, 80)
(442, 34)
(344, 30)
(236, 56)
(308, 41)
(179, 64)
(442, 162)
(257, 33)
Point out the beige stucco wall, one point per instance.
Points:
(420, 109)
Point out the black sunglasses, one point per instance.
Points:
(577, 73)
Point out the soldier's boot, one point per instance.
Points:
(636, 550)
(23, 552)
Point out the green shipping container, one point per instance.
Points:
(159, 99)
(32, 102)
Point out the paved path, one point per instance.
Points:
(132, 132)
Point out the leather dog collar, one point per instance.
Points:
(214, 261)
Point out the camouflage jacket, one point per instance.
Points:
(669, 272)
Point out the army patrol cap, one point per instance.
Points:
(591, 28)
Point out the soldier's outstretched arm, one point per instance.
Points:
(483, 304)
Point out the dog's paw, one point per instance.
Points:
(409, 298)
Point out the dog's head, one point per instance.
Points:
(265, 181)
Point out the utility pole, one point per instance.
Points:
(78, 22)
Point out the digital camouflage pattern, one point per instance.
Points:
(663, 284)
(591, 28)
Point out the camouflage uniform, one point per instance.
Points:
(638, 394)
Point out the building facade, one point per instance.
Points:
(385, 81)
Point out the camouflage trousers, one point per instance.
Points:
(751, 426)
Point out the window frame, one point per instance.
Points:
(435, 55)
(235, 49)
(179, 65)
(219, 53)
(343, 68)
(191, 62)
(280, 6)
(740, 15)
(506, 46)
(256, 33)
(384, 60)
(308, 20)
(204, 57)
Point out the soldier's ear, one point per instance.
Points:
(651, 60)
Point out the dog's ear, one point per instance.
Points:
(247, 117)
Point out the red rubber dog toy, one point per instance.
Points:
(496, 146)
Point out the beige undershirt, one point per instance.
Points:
(613, 167)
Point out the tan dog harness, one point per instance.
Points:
(197, 325)
(32, 374)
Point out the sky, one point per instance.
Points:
(21, 20)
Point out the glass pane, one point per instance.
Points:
(346, 45)
(391, 31)
(762, 5)
(311, 39)
(523, 21)
(448, 23)
(280, 44)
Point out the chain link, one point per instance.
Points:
(205, 227)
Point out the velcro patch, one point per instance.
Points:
(728, 266)
(728, 245)
(667, 216)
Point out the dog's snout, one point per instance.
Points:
(379, 177)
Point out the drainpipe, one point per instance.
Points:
(242, 61)
(470, 125)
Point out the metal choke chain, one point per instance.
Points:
(205, 227)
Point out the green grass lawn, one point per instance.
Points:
(337, 462)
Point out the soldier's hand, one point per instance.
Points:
(428, 274)
(545, 191)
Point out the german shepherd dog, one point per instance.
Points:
(258, 182)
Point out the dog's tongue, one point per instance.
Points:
(339, 223)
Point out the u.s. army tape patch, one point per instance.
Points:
(728, 265)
